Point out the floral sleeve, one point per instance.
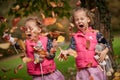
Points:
(72, 44)
(101, 39)
(49, 46)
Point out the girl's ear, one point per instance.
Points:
(39, 30)
(88, 20)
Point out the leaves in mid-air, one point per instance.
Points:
(4, 45)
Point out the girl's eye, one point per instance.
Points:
(81, 18)
(30, 28)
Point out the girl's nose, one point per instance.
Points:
(79, 21)
(28, 30)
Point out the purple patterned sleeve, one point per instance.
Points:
(101, 39)
(49, 46)
(72, 44)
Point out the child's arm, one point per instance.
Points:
(69, 51)
(101, 39)
(103, 54)
(50, 49)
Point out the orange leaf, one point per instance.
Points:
(5, 69)
(49, 21)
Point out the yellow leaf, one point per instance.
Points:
(117, 74)
(60, 39)
(42, 15)
(4, 45)
(59, 25)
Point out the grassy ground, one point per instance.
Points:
(7, 65)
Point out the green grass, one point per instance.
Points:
(12, 63)
(116, 49)
(116, 45)
(64, 66)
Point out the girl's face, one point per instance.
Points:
(32, 30)
(81, 20)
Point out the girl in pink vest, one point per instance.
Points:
(40, 49)
(84, 42)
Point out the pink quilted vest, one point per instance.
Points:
(47, 65)
(85, 56)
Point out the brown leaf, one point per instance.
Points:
(87, 44)
(78, 3)
(1, 54)
(2, 19)
(60, 4)
(22, 56)
(5, 69)
(20, 66)
(15, 71)
(16, 79)
(10, 51)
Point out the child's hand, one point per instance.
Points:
(42, 56)
(54, 43)
(103, 54)
(72, 52)
(63, 55)
(52, 50)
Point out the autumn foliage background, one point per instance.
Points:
(55, 12)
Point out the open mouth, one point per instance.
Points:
(81, 26)
(28, 34)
